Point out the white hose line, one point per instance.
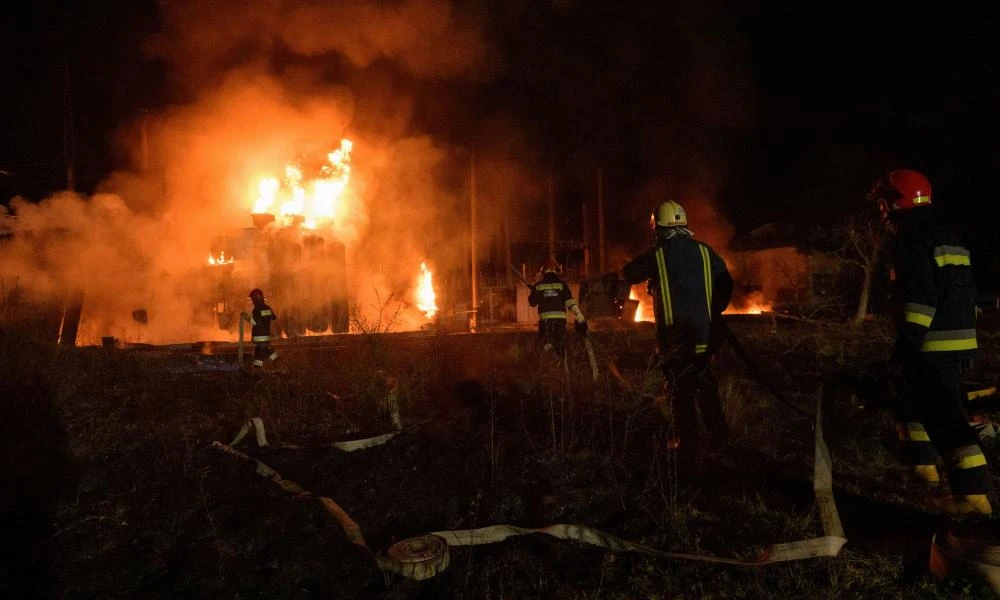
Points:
(425, 556)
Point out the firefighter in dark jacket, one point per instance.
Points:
(936, 333)
(691, 286)
(553, 298)
(260, 321)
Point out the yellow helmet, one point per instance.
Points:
(668, 214)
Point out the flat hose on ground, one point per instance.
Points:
(425, 556)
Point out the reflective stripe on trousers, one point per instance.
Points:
(915, 445)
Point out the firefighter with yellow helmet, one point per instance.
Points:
(260, 322)
(553, 298)
(691, 286)
(935, 294)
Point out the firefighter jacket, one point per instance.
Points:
(934, 289)
(260, 321)
(553, 298)
(690, 285)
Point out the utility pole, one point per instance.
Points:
(552, 222)
(508, 259)
(69, 141)
(145, 140)
(473, 313)
(601, 248)
(586, 240)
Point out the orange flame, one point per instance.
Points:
(754, 304)
(315, 201)
(426, 299)
(643, 312)
(221, 259)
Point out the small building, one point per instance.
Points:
(781, 269)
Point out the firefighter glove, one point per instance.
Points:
(581, 327)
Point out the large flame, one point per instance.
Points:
(426, 299)
(316, 202)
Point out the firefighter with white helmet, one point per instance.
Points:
(553, 298)
(935, 294)
(260, 319)
(691, 286)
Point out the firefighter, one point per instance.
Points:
(935, 296)
(691, 286)
(260, 320)
(553, 298)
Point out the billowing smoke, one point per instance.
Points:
(263, 84)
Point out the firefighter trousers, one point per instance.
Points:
(552, 332)
(261, 352)
(692, 390)
(931, 423)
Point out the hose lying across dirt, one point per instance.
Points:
(425, 556)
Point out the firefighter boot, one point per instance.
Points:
(971, 504)
(273, 357)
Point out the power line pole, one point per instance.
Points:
(552, 222)
(473, 225)
(69, 141)
(601, 248)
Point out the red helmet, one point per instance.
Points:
(256, 294)
(901, 190)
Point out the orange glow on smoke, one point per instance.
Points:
(317, 202)
(426, 299)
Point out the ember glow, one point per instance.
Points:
(426, 299)
(316, 201)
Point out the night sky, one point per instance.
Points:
(782, 111)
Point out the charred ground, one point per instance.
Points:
(120, 494)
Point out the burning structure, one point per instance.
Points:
(783, 274)
(292, 251)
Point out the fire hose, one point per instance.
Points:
(753, 369)
(423, 557)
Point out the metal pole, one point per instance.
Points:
(601, 248)
(69, 150)
(506, 240)
(552, 222)
(473, 313)
(586, 240)
(145, 141)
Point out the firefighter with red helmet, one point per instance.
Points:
(935, 295)
(553, 298)
(691, 286)
(260, 319)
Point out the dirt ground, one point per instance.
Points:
(117, 492)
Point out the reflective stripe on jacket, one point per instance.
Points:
(691, 287)
(262, 316)
(934, 287)
(552, 296)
